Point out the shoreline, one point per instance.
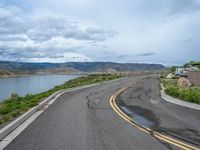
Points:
(38, 74)
(29, 77)
(18, 105)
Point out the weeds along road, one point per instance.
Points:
(84, 120)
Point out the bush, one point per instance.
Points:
(5, 109)
(172, 90)
(6, 118)
(14, 96)
(16, 105)
(189, 94)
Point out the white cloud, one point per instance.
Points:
(62, 57)
(45, 38)
(101, 30)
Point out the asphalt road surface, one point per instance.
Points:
(84, 120)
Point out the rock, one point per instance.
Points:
(170, 76)
(183, 83)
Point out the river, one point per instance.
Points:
(23, 85)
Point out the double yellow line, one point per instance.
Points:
(155, 134)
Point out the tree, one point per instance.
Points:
(173, 69)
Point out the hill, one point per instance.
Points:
(193, 64)
(76, 67)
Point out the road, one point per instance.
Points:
(84, 120)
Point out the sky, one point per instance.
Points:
(125, 31)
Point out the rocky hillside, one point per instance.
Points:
(70, 67)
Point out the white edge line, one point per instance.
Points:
(13, 129)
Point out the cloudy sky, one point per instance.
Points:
(156, 31)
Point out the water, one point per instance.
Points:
(30, 84)
(138, 118)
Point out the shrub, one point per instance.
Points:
(6, 118)
(189, 94)
(16, 105)
(5, 109)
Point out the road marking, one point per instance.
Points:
(9, 138)
(147, 130)
(5, 140)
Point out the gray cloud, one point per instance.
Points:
(149, 31)
(41, 56)
(10, 23)
(45, 28)
(46, 37)
(59, 56)
(107, 56)
(145, 54)
(188, 40)
(184, 6)
(13, 37)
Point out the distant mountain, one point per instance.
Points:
(106, 66)
(76, 66)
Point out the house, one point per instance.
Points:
(183, 72)
(194, 77)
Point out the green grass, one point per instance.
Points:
(16, 105)
(169, 82)
(191, 94)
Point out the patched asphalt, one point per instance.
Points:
(84, 120)
(143, 103)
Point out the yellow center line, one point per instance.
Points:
(146, 129)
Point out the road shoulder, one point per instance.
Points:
(177, 101)
(14, 128)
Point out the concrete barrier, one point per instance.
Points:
(14, 124)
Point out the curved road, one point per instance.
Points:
(84, 120)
